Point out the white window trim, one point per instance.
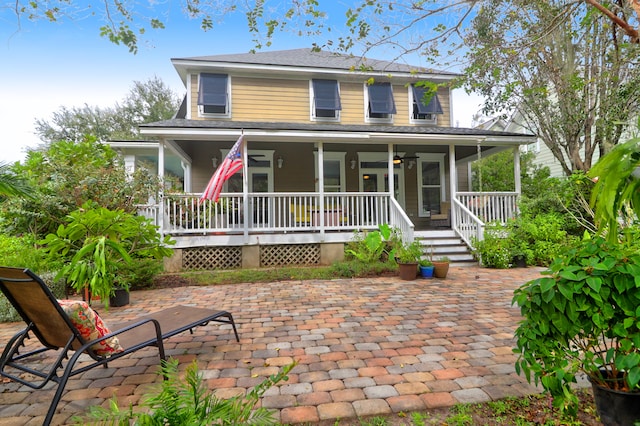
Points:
(382, 157)
(412, 120)
(312, 106)
(203, 114)
(331, 155)
(268, 156)
(430, 158)
(368, 119)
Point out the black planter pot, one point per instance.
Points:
(616, 408)
(520, 262)
(119, 298)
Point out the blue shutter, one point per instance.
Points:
(326, 95)
(433, 107)
(213, 90)
(381, 99)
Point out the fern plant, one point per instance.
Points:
(189, 402)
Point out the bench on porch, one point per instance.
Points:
(309, 214)
(442, 219)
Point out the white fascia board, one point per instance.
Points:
(171, 145)
(221, 134)
(135, 144)
(185, 67)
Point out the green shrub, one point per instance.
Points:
(357, 268)
(21, 252)
(373, 246)
(493, 251)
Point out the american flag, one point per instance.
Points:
(231, 164)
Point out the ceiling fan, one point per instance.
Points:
(399, 160)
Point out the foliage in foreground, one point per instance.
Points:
(582, 318)
(188, 402)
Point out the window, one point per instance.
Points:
(421, 112)
(431, 188)
(379, 102)
(325, 100)
(213, 94)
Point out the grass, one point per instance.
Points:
(347, 269)
(530, 410)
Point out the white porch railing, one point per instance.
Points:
(274, 212)
(490, 206)
(472, 210)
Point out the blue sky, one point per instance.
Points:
(48, 65)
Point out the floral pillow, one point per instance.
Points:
(90, 326)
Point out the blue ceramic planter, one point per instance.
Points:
(426, 271)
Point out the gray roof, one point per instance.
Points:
(314, 59)
(181, 123)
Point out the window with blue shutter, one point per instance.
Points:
(212, 93)
(381, 103)
(422, 111)
(326, 99)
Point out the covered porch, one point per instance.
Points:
(315, 185)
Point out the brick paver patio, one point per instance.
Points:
(364, 347)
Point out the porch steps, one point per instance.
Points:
(445, 243)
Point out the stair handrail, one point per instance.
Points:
(466, 224)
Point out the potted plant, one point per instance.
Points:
(97, 244)
(441, 267)
(582, 317)
(426, 268)
(407, 255)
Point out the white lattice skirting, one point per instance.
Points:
(199, 258)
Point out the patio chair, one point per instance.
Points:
(55, 330)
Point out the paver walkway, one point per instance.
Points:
(364, 347)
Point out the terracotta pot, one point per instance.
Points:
(408, 271)
(440, 269)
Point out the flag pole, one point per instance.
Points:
(245, 186)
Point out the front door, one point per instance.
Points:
(377, 180)
(260, 179)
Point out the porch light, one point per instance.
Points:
(214, 161)
(397, 159)
(411, 164)
(353, 164)
(365, 177)
(280, 161)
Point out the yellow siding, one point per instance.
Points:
(280, 100)
(270, 100)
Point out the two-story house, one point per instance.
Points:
(334, 144)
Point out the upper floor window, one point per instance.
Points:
(213, 94)
(379, 102)
(422, 112)
(325, 100)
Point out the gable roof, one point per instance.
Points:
(310, 58)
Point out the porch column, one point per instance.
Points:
(453, 182)
(516, 170)
(161, 178)
(321, 188)
(390, 171)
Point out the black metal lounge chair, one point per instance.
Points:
(53, 328)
